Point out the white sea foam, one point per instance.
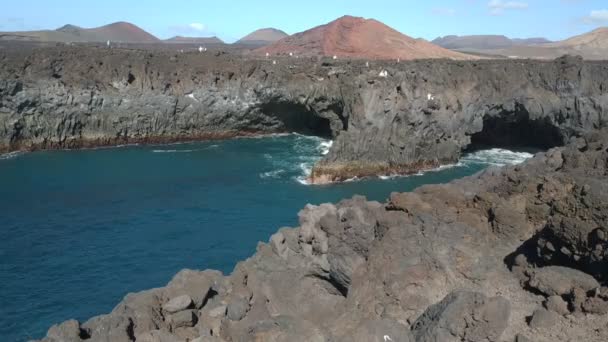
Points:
(262, 136)
(173, 151)
(302, 180)
(305, 171)
(324, 146)
(307, 155)
(272, 174)
(11, 155)
(491, 157)
(496, 156)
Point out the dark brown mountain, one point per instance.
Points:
(263, 37)
(116, 32)
(194, 40)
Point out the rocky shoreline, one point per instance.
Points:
(383, 116)
(339, 172)
(122, 141)
(510, 254)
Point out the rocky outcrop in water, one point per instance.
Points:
(385, 117)
(510, 254)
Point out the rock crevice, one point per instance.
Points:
(442, 263)
(419, 115)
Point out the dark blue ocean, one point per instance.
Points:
(80, 229)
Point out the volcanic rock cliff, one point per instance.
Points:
(385, 117)
(513, 254)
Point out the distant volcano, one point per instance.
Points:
(485, 42)
(591, 45)
(359, 38)
(596, 39)
(116, 32)
(263, 37)
(194, 40)
(121, 32)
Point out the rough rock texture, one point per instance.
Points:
(463, 316)
(430, 265)
(178, 304)
(560, 281)
(68, 331)
(543, 318)
(385, 118)
(557, 304)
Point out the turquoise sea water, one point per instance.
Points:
(80, 229)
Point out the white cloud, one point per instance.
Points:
(498, 7)
(597, 17)
(198, 26)
(193, 29)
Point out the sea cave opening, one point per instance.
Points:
(515, 130)
(294, 117)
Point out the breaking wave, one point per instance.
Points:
(295, 162)
(490, 157)
(272, 174)
(308, 150)
(172, 151)
(496, 157)
(11, 155)
(324, 146)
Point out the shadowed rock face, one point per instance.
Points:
(57, 98)
(385, 117)
(443, 263)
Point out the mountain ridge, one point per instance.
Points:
(120, 31)
(485, 41)
(264, 36)
(194, 40)
(356, 37)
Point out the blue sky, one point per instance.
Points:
(231, 19)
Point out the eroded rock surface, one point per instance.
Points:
(463, 316)
(454, 262)
(385, 117)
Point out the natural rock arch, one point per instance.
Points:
(517, 128)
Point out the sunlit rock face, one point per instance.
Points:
(508, 253)
(417, 115)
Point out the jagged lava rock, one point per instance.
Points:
(178, 304)
(423, 114)
(356, 261)
(557, 280)
(463, 316)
